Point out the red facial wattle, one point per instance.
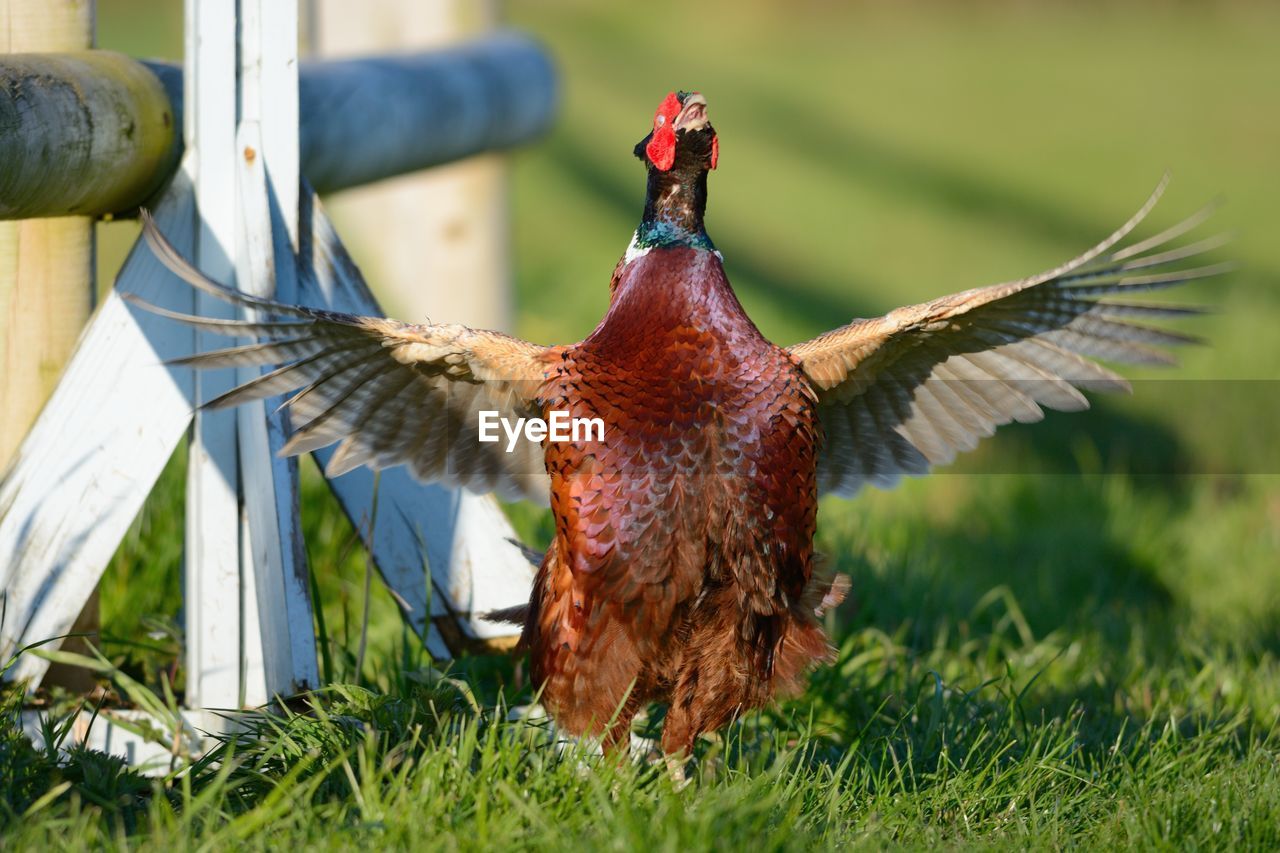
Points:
(661, 148)
(662, 145)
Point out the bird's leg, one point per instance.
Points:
(678, 734)
(679, 731)
(676, 771)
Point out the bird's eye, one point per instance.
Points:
(661, 120)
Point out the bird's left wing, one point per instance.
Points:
(901, 393)
(392, 393)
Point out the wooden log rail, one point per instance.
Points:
(95, 133)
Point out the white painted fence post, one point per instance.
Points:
(267, 150)
(212, 590)
(249, 629)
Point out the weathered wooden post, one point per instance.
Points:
(46, 265)
(46, 274)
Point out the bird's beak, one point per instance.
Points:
(693, 115)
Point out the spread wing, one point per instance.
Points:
(392, 393)
(904, 392)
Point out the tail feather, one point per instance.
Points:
(804, 643)
(515, 615)
(519, 613)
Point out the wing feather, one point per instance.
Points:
(388, 393)
(911, 389)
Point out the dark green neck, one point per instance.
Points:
(674, 205)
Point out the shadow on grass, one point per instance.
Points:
(1033, 625)
(1051, 542)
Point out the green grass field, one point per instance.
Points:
(1072, 639)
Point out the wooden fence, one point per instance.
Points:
(223, 150)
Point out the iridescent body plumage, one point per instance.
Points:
(659, 586)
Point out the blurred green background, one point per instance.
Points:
(1072, 637)
(875, 154)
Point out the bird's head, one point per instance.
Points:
(682, 137)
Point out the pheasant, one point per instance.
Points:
(682, 569)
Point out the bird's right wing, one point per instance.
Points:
(392, 393)
(901, 393)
